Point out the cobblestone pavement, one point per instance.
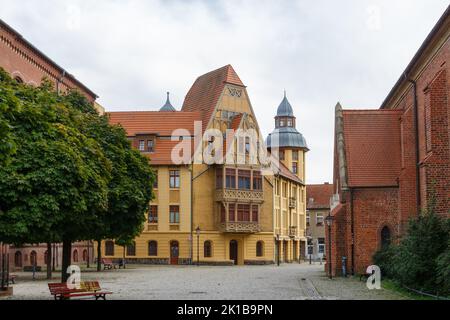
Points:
(289, 281)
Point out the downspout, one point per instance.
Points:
(416, 133)
(352, 231)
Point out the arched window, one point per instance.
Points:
(85, 254)
(75, 255)
(18, 79)
(385, 237)
(33, 258)
(109, 248)
(18, 259)
(45, 256)
(260, 249)
(207, 249)
(153, 248)
(131, 249)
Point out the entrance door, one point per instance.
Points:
(285, 251)
(174, 252)
(234, 251)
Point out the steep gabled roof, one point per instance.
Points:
(318, 196)
(372, 147)
(206, 90)
(154, 122)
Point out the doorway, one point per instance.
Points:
(174, 252)
(234, 251)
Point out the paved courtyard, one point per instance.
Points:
(289, 281)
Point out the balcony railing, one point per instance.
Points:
(292, 231)
(240, 227)
(238, 195)
(292, 203)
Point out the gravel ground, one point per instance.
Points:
(289, 281)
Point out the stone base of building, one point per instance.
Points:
(6, 293)
(258, 262)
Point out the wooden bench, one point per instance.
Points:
(60, 291)
(11, 278)
(108, 264)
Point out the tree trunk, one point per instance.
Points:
(99, 255)
(49, 260)
(66, 259)
(88, 254)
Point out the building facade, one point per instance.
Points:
(27, 64)
(206, 212)
(391, 162)
(289, 147)
(318, 197)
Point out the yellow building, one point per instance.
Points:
(214, 195)
(289, 146)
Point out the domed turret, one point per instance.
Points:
(285, 134)
(168, 106)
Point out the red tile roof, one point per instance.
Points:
(372, 147)
(206, 90)
(318, 196)
(154, 122)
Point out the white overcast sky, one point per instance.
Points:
(131, 52)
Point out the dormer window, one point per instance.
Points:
(151, 145)
(142, 145)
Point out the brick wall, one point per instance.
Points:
(22, 61)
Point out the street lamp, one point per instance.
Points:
(197, 231)
(329, 221)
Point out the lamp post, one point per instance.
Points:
(278, 249)
(197, 231)
(329, 221)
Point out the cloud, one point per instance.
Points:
(131, 52)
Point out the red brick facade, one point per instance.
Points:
(365, 203)
(29, 65)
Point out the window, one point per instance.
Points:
(131, 249)
(153, 214)
(151, 145)
(385, 237)
(85, 255)
(308, 218)
(174, 179)
(284, 189)
(294, 167)
(321, 245)
(141, 145)
(247, 145)
(18, 259)
(260, 249)
(289, 123)
(231, 212)
(281, 123)
(33, 258)
(219, 178)
(174, 214)
(207, 249)
(109, 248)
(155, 183)
(281, 154)
(295, 155)
(243, 212)
(153, 248)
(244, 179)
(45, 256)
(257, 180)
(255, 212)
(231, 178)
(223, 213)
(18, 79)
(75, 256)
(319, 219)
